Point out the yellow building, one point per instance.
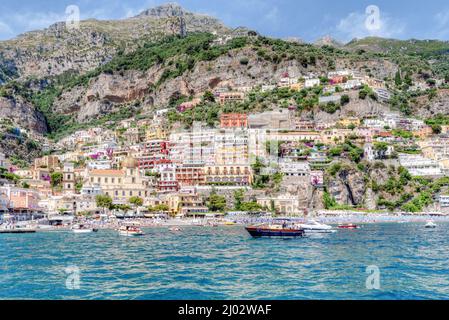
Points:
(428, 152)
(346, 122)
(120, 185)
(423, 133)
(335, 136)
(155, 133)
(186, 204)
(297, 86)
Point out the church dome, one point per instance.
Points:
(130, 163)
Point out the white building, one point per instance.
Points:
(327, 99)
(266, 88)
(3, 162)
(283, 204)
(340, 73)
(352, 84)
(92, 190)
(444, 201)
(419, 166)
(371, 154)
(375, 123)
(382, 94)
(193, 147)
(310, 83)
(99, 165)
(231, 147)
(295, 169)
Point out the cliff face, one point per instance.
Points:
(348, 187)
(23, 114)
(428, 107)
(118, 88)
(57, 49)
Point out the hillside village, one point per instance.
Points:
(273, 161)
(204, 122)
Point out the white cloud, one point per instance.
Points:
(272, 16)
(5, 30)
(36, 20)
(354, 26)
(442, 18)
(442, 24)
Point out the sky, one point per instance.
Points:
(307, 20)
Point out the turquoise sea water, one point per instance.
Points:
(226, 263)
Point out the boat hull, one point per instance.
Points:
(83, 231)
(349, 227)
(263, 232)
(130, 234)
(17, 231)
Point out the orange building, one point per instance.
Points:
(234, 120)
(190, 175)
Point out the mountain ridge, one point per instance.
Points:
(55, 75)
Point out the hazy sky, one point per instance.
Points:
(308, 20)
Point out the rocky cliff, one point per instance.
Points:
(58, 49)
(22, 114)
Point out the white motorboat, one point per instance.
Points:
(430, 225)
(17, 229)
(82, 229)
(129, 231)
(313, 226)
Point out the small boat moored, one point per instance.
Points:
(130, 231)
(79, 228)
(430, 225)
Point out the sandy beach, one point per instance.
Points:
(246, 220)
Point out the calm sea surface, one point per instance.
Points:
(226, 263)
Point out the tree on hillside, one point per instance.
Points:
(398, 79)
(56, 179)
(209, 96)
(344, 99)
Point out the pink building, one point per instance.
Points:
(21, 200)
